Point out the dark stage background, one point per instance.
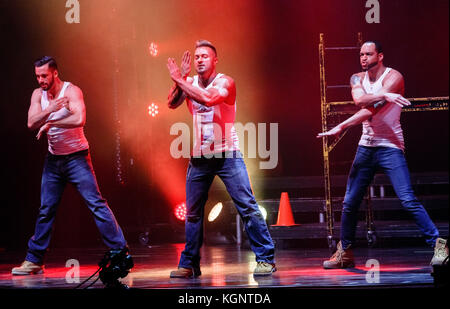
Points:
(270, 48)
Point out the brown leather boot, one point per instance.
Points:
(340, 259)
(182, 272)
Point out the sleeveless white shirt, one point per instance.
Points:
(63, 141)
(383, 129)
(214, 130)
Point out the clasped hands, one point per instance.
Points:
(177, 73)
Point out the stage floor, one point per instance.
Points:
(229, 266)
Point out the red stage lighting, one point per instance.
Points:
(180, 211)
(153, 110)
(153, 49)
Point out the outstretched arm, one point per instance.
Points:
(358, 93)
(392, 91)
(223, 88)
(354, 120)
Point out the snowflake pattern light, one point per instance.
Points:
(153, 48)
(180, 211)
(153, 110)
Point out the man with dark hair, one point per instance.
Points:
(379, 91)
(44, 60)
(57, 109)
(378, 47)
(211, 98)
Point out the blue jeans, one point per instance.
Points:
(393, 163)
(233, 173)
(75, 168)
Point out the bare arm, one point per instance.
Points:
(217, 94)
(359, 95)
(36, 115)
(360, 116)
(223, 89)
(176, 95)
(76, 107)
(77, 117)
(392, 91)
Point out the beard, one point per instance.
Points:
(369, 66)
(47, 86)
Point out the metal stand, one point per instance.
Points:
(326, 145)
(371, 234)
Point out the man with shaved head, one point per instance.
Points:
(379, 91)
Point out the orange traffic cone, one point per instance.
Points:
(285, 216)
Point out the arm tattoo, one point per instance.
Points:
(175, 95)
(379, 104)
(355, 80)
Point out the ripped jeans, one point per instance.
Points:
(233, 173)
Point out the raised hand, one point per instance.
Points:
(174, 71)
(186, 64)
(397, 99)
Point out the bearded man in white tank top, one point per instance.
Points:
(57, 109)
(379, 91)
(211, 99)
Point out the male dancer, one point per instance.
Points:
(57, 109)
(211, 98)
(379, 91)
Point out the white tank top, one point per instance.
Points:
(383, 129)
(63, 141)
(214, 130)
